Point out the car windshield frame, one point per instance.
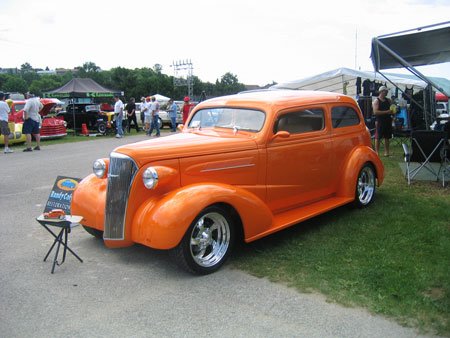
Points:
(235, 118)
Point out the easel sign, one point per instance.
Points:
(61, 194)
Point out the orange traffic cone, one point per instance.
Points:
(84, 130)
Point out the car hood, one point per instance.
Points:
(185, 145)
(47, 104)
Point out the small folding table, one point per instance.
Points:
(66, 224)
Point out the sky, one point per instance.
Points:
(259, 41)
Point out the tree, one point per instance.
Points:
(157, 68)
(90, 67)
(229, 84)
(44, 84)
(15, 84)
(26, 68)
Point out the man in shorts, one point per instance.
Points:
(31, 122)
(4, 128)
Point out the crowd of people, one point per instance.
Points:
(149, 113)
(124, 118)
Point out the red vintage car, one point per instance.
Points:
(52, 127)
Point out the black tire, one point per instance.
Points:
(202, 250)
(365, 186)
(94, 232)
(101, 128)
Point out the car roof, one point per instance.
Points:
(272, 98)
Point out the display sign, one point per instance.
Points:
(61, 194)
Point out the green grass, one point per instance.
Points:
(392, 258)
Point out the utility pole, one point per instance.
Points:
(183, 75)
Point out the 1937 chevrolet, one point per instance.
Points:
(244, 166)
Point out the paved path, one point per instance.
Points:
(136, 292)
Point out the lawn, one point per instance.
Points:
(392, 258)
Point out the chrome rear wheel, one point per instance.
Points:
(365, 186)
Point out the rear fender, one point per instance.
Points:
(161, 223)
(353, 165)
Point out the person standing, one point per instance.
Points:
(382, 112)
(146, 112)
(172, 110)
(32, 119)
(131, 115)
(154, 109)
(186, 109)
(141, 113)
(118, 112)
(4, 128)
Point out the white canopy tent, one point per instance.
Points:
(161, 98)
(343, 80)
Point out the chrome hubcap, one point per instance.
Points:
(210, 239)
(366, 185)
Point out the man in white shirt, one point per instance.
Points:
(4, 128)
(118, 112)
(155, 117)
(146, 110)
(32, 120)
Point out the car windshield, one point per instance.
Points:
(233, 118)
(19, 106)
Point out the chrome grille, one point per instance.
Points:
(120, 177)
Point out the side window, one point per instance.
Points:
(301, 121)
(344, 117)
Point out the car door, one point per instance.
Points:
(298, 165)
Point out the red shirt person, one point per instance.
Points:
(186, 109)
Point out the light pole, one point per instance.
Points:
(183, 75)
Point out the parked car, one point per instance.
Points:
(244, 166)
(441, 108)
(16, 135)
(165, 119)
(89, 114)
(51, 126)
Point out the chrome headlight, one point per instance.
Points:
(150, 178)
(99, 168)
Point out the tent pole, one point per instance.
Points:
(73, 112)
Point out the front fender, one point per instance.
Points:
(89, 200)
(161, 223)
(353, 165)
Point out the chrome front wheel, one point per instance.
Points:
(207, 243)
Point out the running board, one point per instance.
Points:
(291, 217)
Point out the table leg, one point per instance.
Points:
(58, 239)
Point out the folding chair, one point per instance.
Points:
(400, 136)
(427, 146)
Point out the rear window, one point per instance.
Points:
(344, 117)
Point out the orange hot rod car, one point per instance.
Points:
(245, 165)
